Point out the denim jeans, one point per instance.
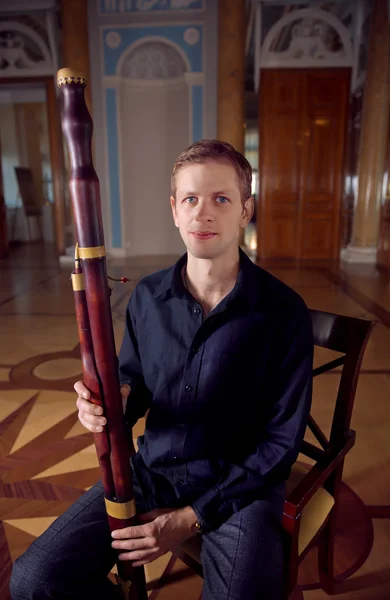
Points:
(242, 560)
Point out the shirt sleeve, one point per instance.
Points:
(279, 446)
(130, 371)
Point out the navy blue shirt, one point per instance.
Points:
(228, 395)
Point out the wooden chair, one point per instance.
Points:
(31, 203)
(313, 492)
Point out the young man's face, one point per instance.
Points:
(208, 209)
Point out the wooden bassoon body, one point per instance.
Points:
(94, 319)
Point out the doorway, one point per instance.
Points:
(32, 163)
(302, 124)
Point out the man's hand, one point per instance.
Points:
(90, 415)
(160, 531)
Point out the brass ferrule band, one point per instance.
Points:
(92, 252)
(120, 510)
(65, 76)
(78, 282)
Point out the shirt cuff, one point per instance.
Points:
(207, 509)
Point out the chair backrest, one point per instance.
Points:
(28, 191)
(348, 335)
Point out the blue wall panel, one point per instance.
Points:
(113, 167)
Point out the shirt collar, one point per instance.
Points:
(245, 291)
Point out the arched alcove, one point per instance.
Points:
(153, 60)
(154, 118)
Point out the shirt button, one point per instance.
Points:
(174, 457)
(197, 311)
(188, 388)
(180, 481)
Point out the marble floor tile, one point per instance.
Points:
(47, 459)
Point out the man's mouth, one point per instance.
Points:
(203, 235)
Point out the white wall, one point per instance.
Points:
(9, 153)
(13, 154)
(145, 227)
(153, 134)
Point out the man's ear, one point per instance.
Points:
(174, 213)
(247, 211)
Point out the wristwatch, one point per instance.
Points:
(200, 527)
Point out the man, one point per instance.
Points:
(220, 354)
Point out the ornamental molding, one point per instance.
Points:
(312, 31)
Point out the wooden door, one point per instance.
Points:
(280, 126)
(302, 122)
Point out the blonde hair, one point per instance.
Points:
(204, 150)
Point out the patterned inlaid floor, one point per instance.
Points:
(47, 459)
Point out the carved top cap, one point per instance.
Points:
(66, 76)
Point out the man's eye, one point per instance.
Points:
(222, 199)
(190, 199)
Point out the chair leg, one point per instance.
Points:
(291, 566)
(28, 228)
(327, 539)
(40, 228)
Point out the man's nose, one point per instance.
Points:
(204, 212)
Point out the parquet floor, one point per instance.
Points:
(47, 459)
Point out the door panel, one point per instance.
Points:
(302, 125)
(325, 120)
(282, 236)
(317, 240)
(280, 135)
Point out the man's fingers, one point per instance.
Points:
(81, 389)
(144, 556)
(93, 419)
(88, 407)
(90, 426)
(135, 544)
(137, 531)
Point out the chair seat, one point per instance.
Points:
(313, 515)
(315, 511)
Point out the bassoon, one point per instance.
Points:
(114, 445)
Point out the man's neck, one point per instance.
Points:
(210, 280)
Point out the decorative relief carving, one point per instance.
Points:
(306, 37)
(121, 6)
(313, 38)
(185, 4)
(149, 4)
(113, 39)
(153, 60)
(191, 36)
(14, 52)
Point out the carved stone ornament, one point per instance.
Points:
(153, 61)
(191, 36)
(310, 38)
(307, 37)
(113, 39)
(18, 51)
(122, 6)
